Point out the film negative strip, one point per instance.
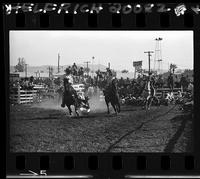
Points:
(102, 90)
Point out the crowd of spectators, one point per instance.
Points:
(82, 75)
(29, 83)
(101, 78)
(134, 86)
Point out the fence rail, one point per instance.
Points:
(18, 96)
(160, 90)
(39, 87)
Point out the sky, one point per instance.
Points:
(120, 48)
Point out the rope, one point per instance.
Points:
(139, 127)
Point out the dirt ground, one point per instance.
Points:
(35, 128)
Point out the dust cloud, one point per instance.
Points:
(96, 105)
(52, 103)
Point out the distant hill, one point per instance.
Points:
(44, 68)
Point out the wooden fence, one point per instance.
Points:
(160, 90)
(39, 87)
(18, 96)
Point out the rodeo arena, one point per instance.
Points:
(79, 110)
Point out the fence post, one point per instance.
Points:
(18, 94)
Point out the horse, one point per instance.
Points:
(149, 93)
(71, 98)
(60, 91)
(112, 96)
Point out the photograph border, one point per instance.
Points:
(105, 160)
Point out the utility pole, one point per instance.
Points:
(149, 55)
(49, 68)
(58, 63)
(159, 66)
(51, 72)
(109, 65)
(87, 62)
(135, 74)
(158, 55)
(93, 66)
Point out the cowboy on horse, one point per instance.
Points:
(70, 97)
(111, 94)
(68, 88)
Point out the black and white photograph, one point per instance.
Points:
(101, 91)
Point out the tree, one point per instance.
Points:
(20, 67)
(31, 79)
(188, 72)
(173, 67)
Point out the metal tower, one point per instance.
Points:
(158, 56)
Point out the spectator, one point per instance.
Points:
(179, 94)
(74, 66)
(127, 82)
(68, 70)
(164, 98)
(31, 79)
(176, 82)
(57, 81)
(25, 84)
(108, 72)
(183, 83)
(121, 82)
(160, 82)
(190, 87)
(80, 71)
(74, 69)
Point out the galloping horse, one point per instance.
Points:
(112, 96)
(70, 97)
(149, 93)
